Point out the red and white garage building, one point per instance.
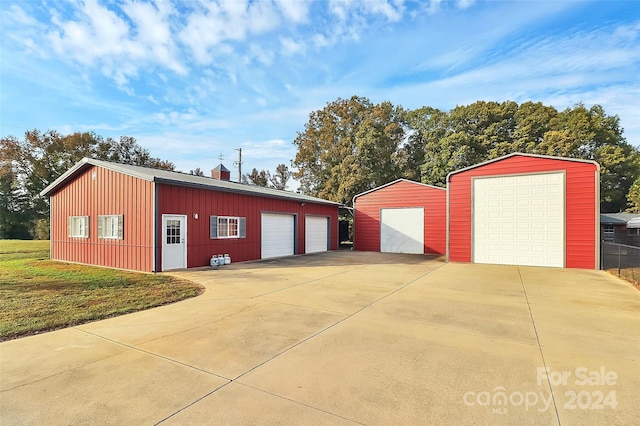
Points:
(525, 209)
(401, 217)
(143, 219)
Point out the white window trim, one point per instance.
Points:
(229, 218)
(102, 228)
(240, 229)
(84, 227)
(612, 231)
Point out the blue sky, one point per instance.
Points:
(193, 79)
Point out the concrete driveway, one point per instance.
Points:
(346, 338)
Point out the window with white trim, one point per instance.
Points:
(227, 227)
(609, 229)
(78, 226)
(110, 227)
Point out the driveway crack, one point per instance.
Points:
(535, 330)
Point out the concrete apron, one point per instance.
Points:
(344, 338)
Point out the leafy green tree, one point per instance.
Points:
(40, 158)
(633, 197)
(350, 146)
(482, 131)
(594, 135)
(15, 214)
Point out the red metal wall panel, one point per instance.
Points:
(581, 205)
(188, 201)
(108, 193)
(398, 195)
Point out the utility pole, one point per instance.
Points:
(239, 164)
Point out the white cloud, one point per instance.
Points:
(354, 10)
(97, 36)
(465, 4)
(434, 6)
(393, 12)
(226, 21)
(295, 10)
(262, 55)
(16, 15)
(291, 47)
(153, 32)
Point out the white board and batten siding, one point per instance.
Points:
(519, 219)
(316, 234)
(402, 230)
(277, 235)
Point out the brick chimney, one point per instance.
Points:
(221, 172)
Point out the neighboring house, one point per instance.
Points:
(621, 228)
(137, 218)
(401, 217)
(524, 209)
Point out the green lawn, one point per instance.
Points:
(37, 294)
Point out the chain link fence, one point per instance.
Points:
(622, 260)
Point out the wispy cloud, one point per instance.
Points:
(192, 79)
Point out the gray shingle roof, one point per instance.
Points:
(177, 178)
(617, 218)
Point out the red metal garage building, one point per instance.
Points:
(401, 217)
(525, 209)
(144, 219)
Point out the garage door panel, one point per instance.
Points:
(278, 235)
(519, 220)
(316, 234)
(402, 230)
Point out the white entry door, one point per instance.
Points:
(278, 235)
(316, 237)
(174, 242)
(519, 220)
(402, 230)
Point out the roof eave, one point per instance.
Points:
(78, 167)
(522, 154)
(392, 183)
(86, 162)
(244, 192)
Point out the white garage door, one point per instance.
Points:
(277, 235)
(402, 230)
(316, 234)
(519, 220)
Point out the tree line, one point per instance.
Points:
(29, 165)
(353, 145)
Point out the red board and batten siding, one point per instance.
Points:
(110, 193)
(401, 194)
(181, 200)
(581, 205)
